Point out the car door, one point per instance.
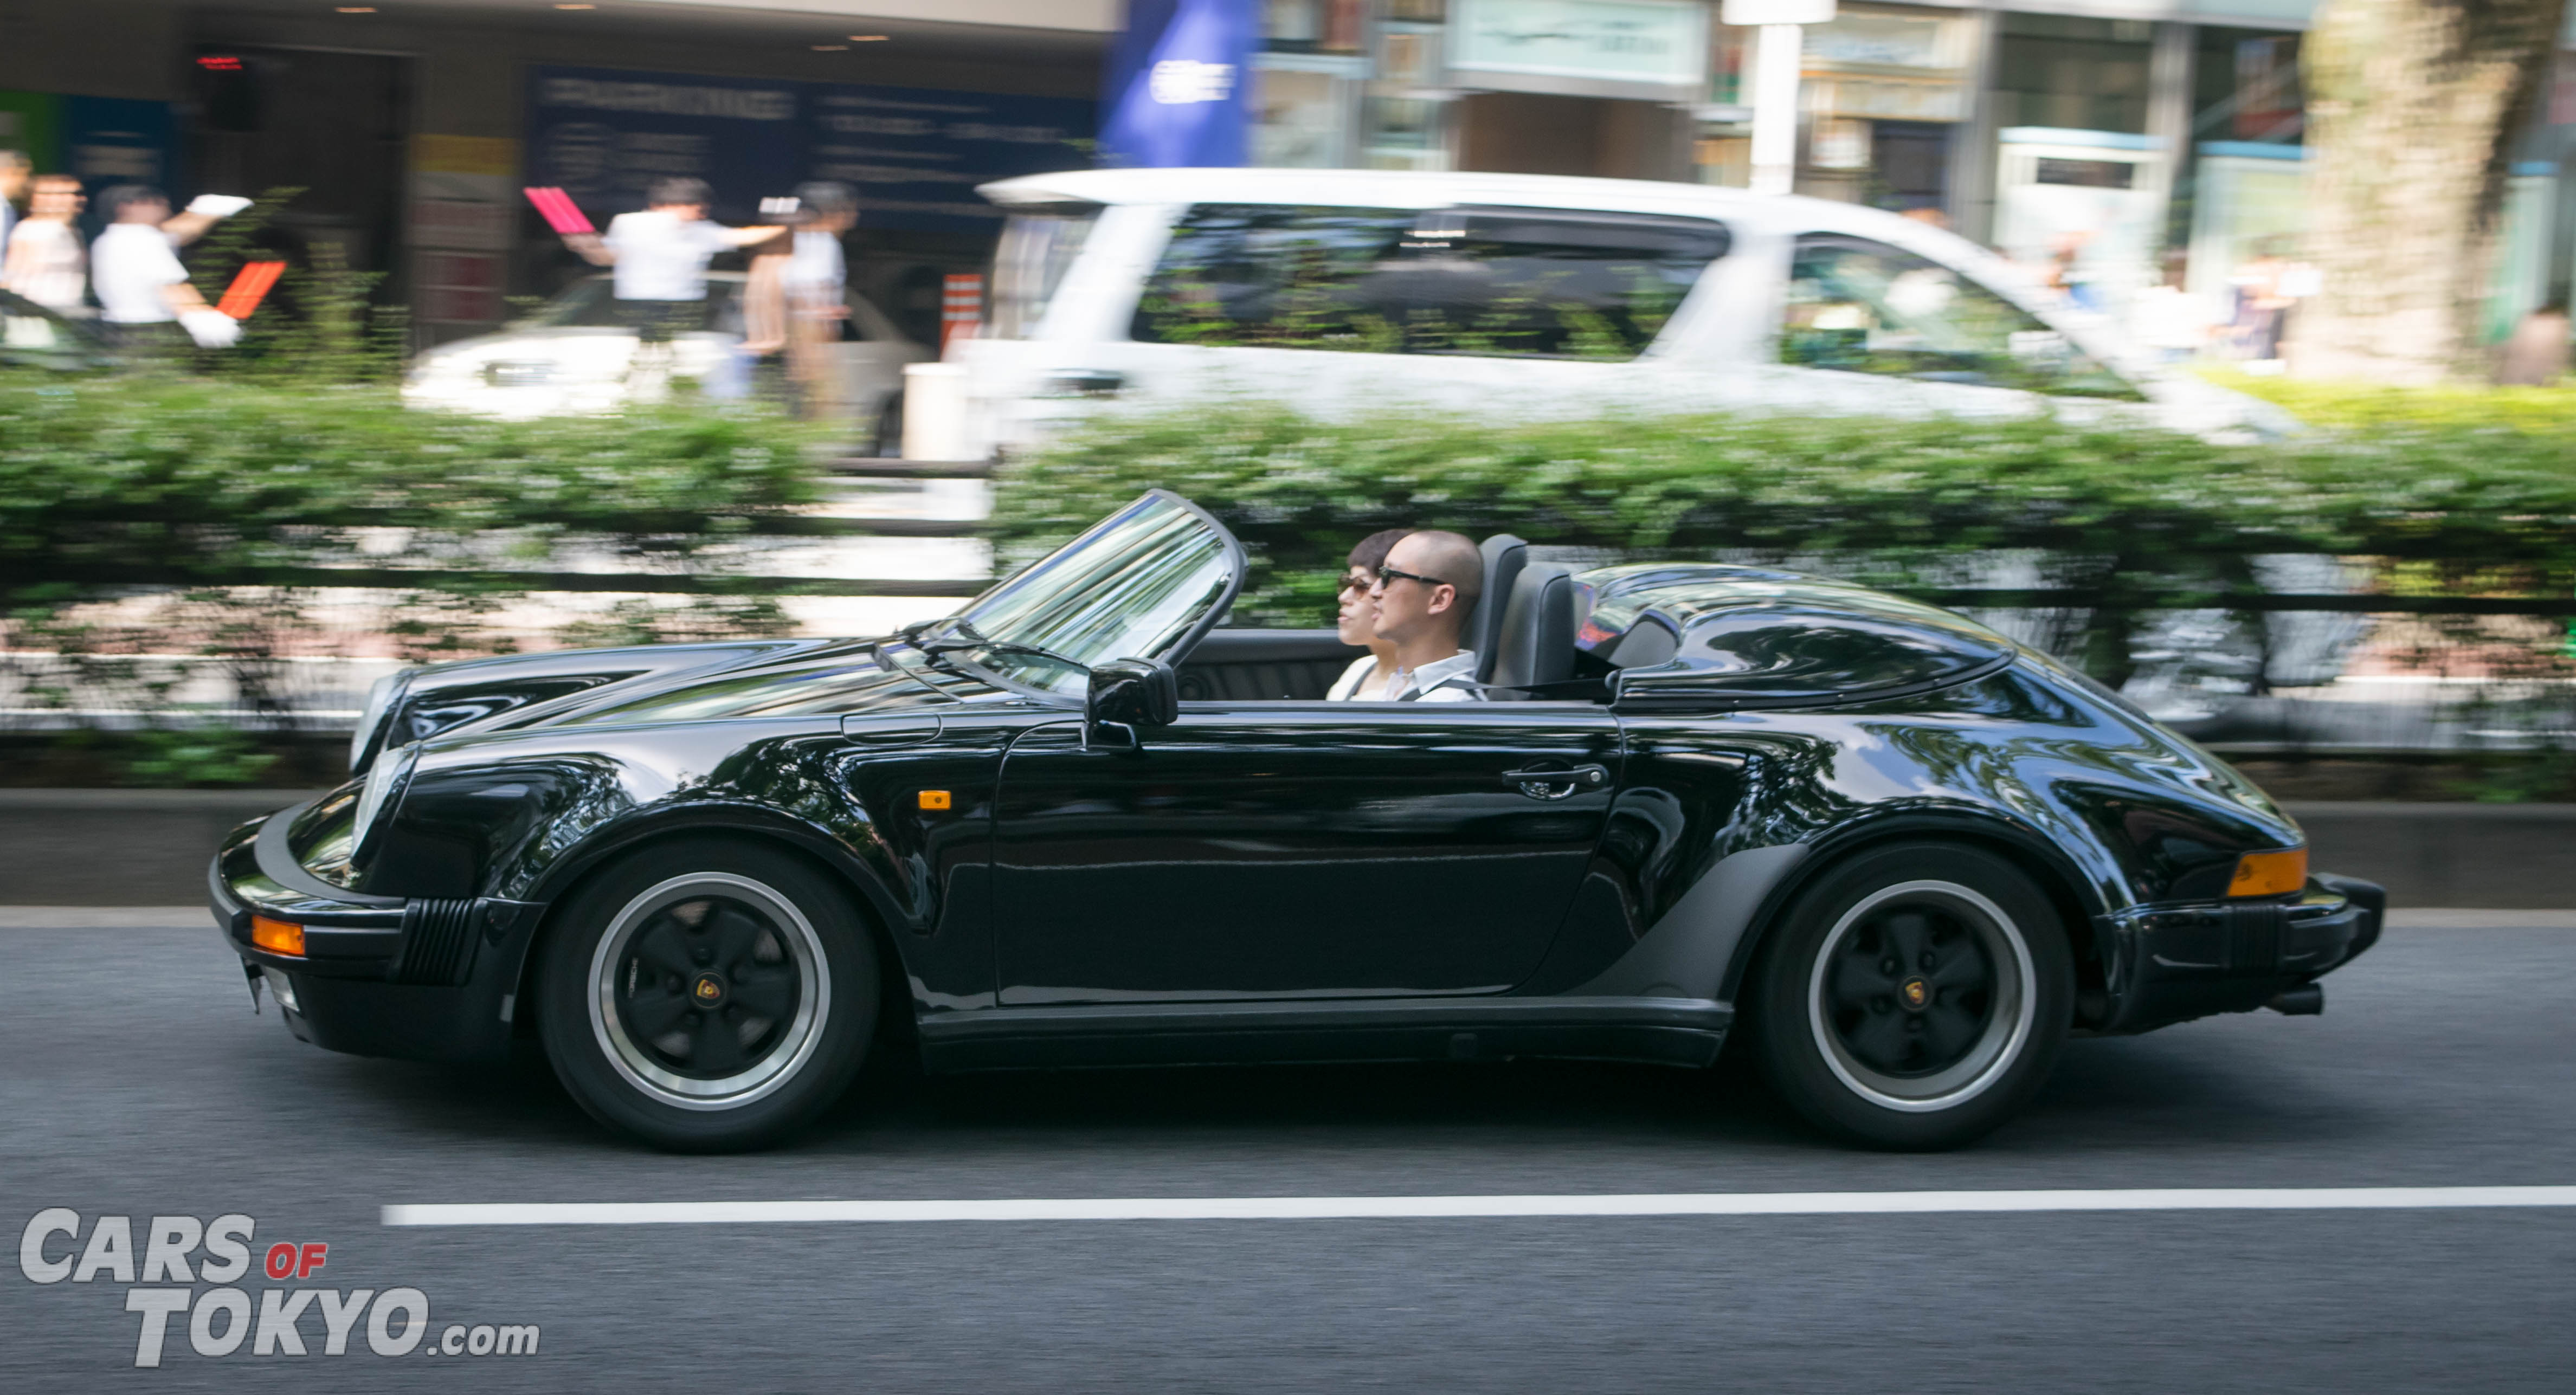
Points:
(1297, 850)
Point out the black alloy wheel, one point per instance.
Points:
(1914, 997)
(706, 989)
(1911, 990)
(707, 994)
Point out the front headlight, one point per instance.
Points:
(381, 700)
(383, 787)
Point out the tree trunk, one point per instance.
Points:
(2413, 108)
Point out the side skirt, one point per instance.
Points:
(1660, 1031)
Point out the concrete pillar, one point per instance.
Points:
(1972, 159)
(2169, 93)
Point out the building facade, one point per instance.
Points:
(410, 126)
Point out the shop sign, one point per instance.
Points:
(29, 122)
(914, 155)
(1658, 42)
(464, 192)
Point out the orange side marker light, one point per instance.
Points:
(277, 936)
(934, 799)
(2270, 873)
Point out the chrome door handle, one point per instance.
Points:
(1542, 784)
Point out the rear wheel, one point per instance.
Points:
(1914, 998)
(707, 995)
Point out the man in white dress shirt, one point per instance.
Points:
(660, 257)
(1424, 593)
(135, 273)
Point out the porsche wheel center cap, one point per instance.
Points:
(1915, 994)
(707, 991)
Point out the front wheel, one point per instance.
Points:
(707, 995)
(1914, 998)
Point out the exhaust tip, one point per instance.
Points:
(2306, 1000)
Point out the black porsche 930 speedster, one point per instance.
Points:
(1078, 823)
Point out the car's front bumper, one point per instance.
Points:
(416, 977)
(2165, 964)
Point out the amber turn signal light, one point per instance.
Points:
(2270, 873)
(277, 936)
(934, 799)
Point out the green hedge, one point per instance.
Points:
(2139, 517)
(149, 469)
(219, 515)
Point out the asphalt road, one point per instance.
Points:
(139, 1083)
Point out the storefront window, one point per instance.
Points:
(1312, 26)
(1500, 283)
(2073, 73)
(1864, 307)
(1297, 117)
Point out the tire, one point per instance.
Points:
(1950, 1041)
(766, 1001)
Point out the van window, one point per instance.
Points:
(1038, 245)
(1865, 307)
(1489, 282)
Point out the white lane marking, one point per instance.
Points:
(1301, 1208)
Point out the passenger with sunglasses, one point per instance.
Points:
(1356, 619)
(1425, 591)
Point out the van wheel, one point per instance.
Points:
(1915, 998)
(707, 995)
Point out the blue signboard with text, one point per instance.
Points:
(914, 155)
(1177, 84)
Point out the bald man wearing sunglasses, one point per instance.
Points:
(1425, 591)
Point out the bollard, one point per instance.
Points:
(934, 411)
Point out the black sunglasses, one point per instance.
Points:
(1386, 574)
(1352, 581)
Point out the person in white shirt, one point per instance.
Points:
(134, 267)
(1425, 591)
(660, 255)
(816, 279)
(45, 261)
(1356, 619)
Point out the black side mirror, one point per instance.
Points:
(1128, 695)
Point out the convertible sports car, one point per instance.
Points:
(1077, 823)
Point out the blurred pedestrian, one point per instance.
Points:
(2172, 322)
(45, 261)
(817, 288)
(134, 268)
(2262, 305)
(2536, 353)
(660, 259)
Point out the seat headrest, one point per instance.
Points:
(1504, 555)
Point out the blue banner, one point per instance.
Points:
(1178, 82)
(914, 155)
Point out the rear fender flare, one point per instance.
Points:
(2060, 877)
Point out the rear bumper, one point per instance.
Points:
(418, 978)
(2166, 964)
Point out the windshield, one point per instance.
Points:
(1037, 247)
(1150, 576)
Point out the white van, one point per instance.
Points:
(1342, 291)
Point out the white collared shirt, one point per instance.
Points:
(129, 265)
(1452, 679)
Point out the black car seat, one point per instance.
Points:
(1505, 556)
(1537, 640)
